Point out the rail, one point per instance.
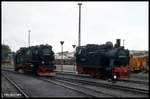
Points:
(16, 86)
(89, 91)
(108, 85)
(86, 76)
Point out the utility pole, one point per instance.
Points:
(123, 42)
(74, 56)
(3, 39)
(29, 37)
(62, 42)
(79, 24)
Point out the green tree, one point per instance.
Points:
(5, 50)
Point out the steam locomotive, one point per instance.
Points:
(38, 60)
(103, 61)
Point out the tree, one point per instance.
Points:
(5, 51)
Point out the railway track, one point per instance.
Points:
(87, 76)
(79, 87)
(80, 82)
(134, 81)
(64, 84)
(73, 86)
(108, 85)
(54, 82)
(25, 95)
(140, 76)
(95, 92)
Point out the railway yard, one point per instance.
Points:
(70, 84)
(97, 67)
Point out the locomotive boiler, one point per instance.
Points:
(36, 59)
(103, 61)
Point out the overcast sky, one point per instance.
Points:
(52, 22)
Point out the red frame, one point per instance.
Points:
(122, 72)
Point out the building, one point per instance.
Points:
(66, 55)
(138, 53)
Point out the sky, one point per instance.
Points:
(52, 22)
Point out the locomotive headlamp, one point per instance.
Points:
(115, 76)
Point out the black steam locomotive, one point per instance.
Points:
(103, 61)
(37, 59)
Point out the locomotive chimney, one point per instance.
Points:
(118, 42)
